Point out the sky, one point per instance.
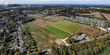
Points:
(105, 2)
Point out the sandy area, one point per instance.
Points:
(42, 22)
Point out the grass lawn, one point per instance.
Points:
(64, 28)
(38, 34)
(67, 26)
(58, 31)
(106, 52)
(35, 15)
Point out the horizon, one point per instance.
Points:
(79, 2)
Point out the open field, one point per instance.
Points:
(107, 16)
(91, 31)
(95, 14)
(41, 35)
(35, 15)
(67, 26)
(54, 18)
(58, 31)
(103, 9)
(43, 22)
(106, 52)
(64, 28)
(46, 31)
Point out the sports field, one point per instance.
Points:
(64, 28)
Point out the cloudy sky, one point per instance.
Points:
(107, 2)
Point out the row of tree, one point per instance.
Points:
(89, 48)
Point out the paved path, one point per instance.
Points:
(64, 40)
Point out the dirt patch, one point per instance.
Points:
(43, 22)
(97, 14)
(59, 42)
(91, 31)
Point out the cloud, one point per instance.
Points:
(3, 1)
